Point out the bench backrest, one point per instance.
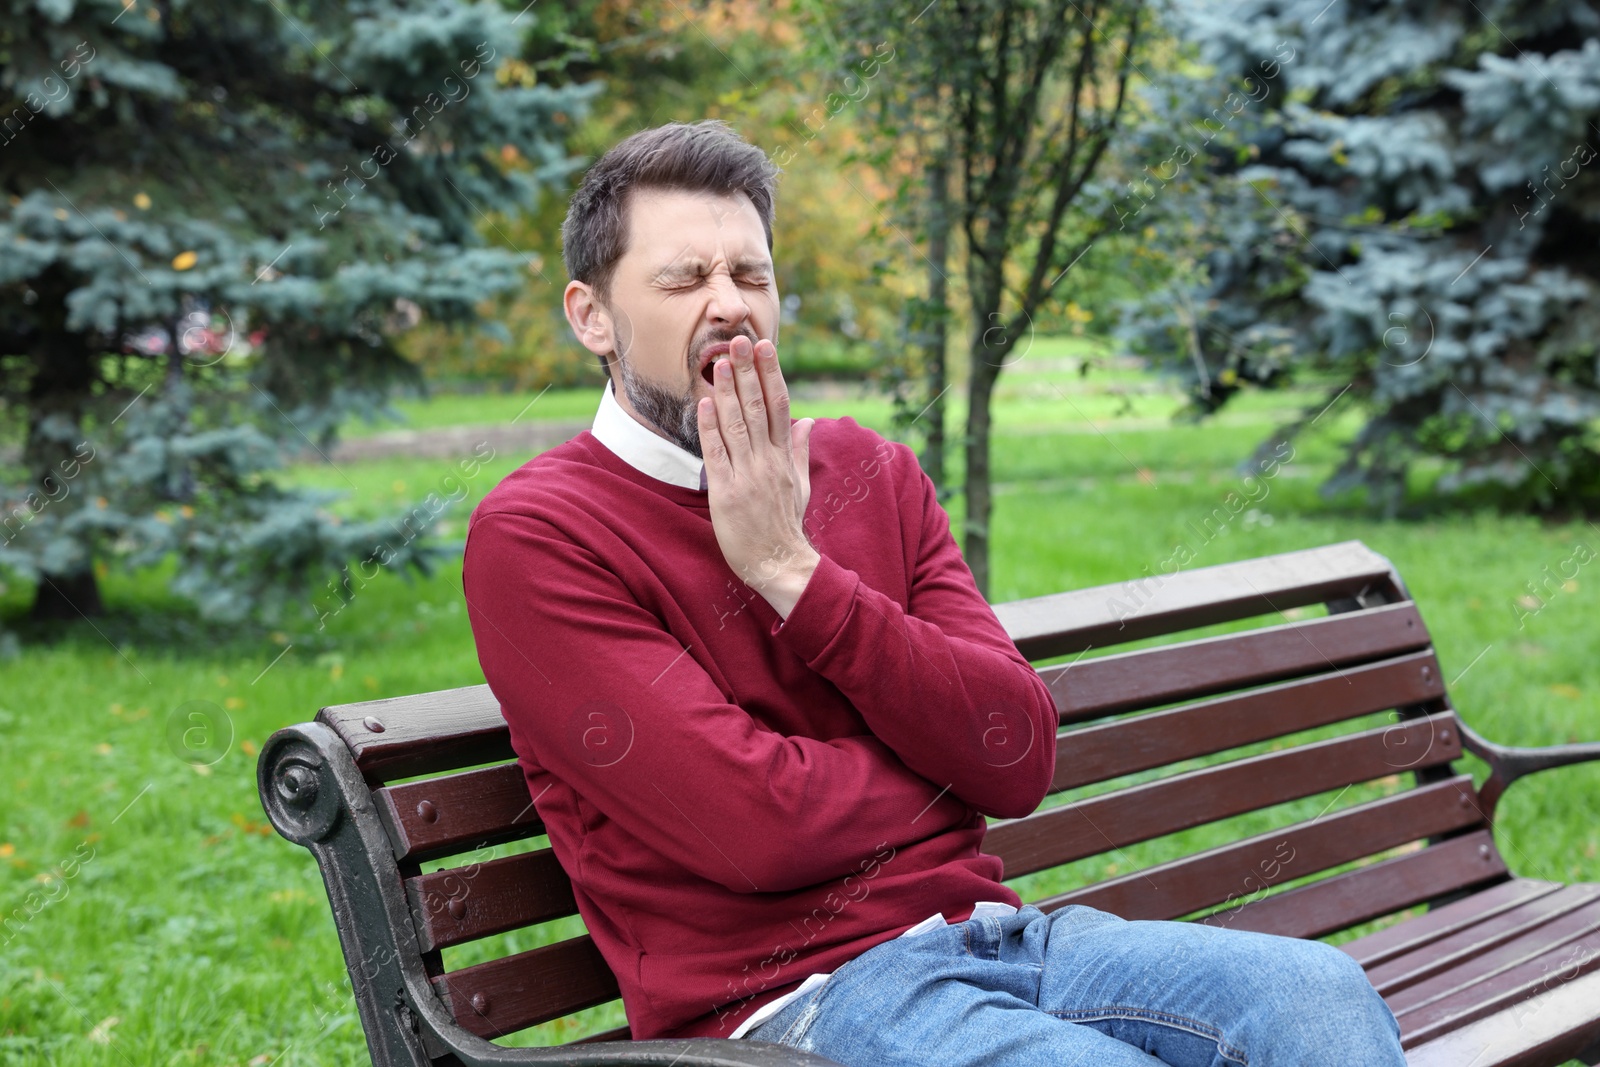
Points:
(1155, 742)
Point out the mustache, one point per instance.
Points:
(716, 337)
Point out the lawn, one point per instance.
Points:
(151, 916)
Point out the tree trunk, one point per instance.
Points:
(63, 376)
(980, 390)
(937, 316)
(66, 596)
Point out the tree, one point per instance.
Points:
(907, 143)
(1413, 208)
(1031, 94)
(218, 217)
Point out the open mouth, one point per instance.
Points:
(708, 360)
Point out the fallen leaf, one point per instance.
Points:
(184, 260)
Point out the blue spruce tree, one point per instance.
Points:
(1406, 195)
(216, 218)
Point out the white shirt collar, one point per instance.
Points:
(643, 449)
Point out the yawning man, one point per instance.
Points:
(763, 710)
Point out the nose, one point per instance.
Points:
(726, 306)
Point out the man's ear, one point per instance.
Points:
(590, 322)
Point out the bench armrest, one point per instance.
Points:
(1507, 763)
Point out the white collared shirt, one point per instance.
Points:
(642, 448)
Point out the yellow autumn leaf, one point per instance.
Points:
(141, 201)
(184, 260)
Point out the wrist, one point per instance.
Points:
(783, 588)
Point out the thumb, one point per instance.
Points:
(802, 438)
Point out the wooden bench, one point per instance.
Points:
(1155, 741)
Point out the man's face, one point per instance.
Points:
(695, 275)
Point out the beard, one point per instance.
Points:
(675, 415)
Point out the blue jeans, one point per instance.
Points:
(1083, 986)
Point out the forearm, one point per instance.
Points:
(969, 715)
(699, 779)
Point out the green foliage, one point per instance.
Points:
(219, 217)
(1408, 198)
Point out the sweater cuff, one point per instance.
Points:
(821, 611)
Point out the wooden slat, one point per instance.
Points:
(1384, 945)
(1477, 976)
(1553, 1027)
(1180, 801)
(1550, 956)
(422, 734)
(457, 812)
(1340, 901)
(1110, 750)
(1180, 887)
(465, 903)
(1450, 952)
(508, 994)
(1091, 688)
(1101, 616)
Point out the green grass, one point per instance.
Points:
(189, 934)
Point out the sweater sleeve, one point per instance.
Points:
(941, 684)
(611, 703)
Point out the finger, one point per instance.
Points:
(730, 419)
(752, 402)
(777, 393)
(802, 458)
(712, 448)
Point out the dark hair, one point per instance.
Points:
(707, 156)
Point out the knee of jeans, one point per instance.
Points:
(1338, 979)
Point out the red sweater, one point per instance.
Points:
(741, 800)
